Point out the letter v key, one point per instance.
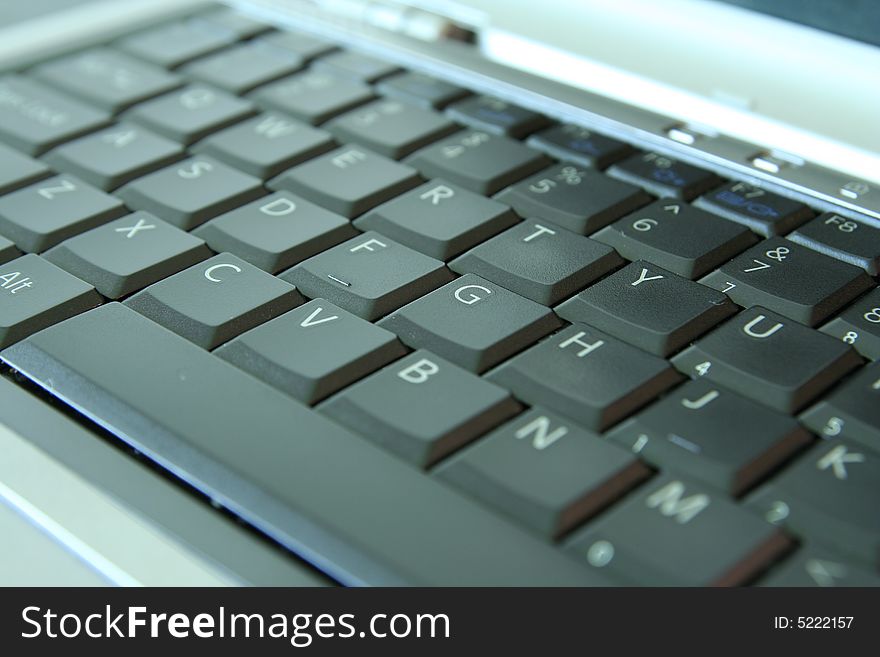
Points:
(311, 321)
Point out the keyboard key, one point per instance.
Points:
(851, 411)
(313, 351)
(713, 436)
(215, 300)
(356, 66)
(306, 46)
(244, 67)
(33, 118)
(256, 450)
(665, 177)
(112, 157)
(673, 532)
(175, 43)
(544, 471)
(7, 250)
(439, 218)
(243, 26)
(789, 279)
(107, 78)
(191, 192)
(571, 143)
(542, 262)
(18, 170)
(421, 408)
(496, 116)
(421, 90)
(313, 96)
(677, 237)
(649, 307)
(191, 113)
(580, 200)
(815, 566)
(761, 355)
(35, 294)
(829, 496)
(369, 275)
(40, 216)
(588, 376)
(763, 212)
(842, 238)
(266, 145)
(859, 325)
(471, 322)
(349, 180)
(481, 162)
(276, 232)
(128, 254)
(391, 128)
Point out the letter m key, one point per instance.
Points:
(670, 502)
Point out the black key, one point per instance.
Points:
(541, 262)
(112, 157)
(845, 239)
(421, 408)
(439, 218)
(814, 566)
(215, 300)
(761, 355)
(496, 116)
(34, 118)
(35, 294)
(586, 375)
(18, 170)
(191, 192)
(578, 199)
(313, 351)
(349, 180)
(471, 322)
(829, 496)
(107, 78)
(175, 43)
(277, 231)
(391, 127)
(851, 411)
(306, 46)
(673, 532)
(789, 279)
(266, 145)
(763, 212)
(571, 143)
(477, 160)
(7, 250)
(663, 176)
(544, 471)
(255, 450)
(191, 113)
(369, 275)
(356, 66)
(677, 237)
(313, 96)
(128, 254)
(712, 435)
(421, 90)
(649, 307)
(859, 325)
(40, 216)
(244, 67)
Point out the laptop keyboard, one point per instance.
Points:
(418, 335)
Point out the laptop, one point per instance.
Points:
(316, 293)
